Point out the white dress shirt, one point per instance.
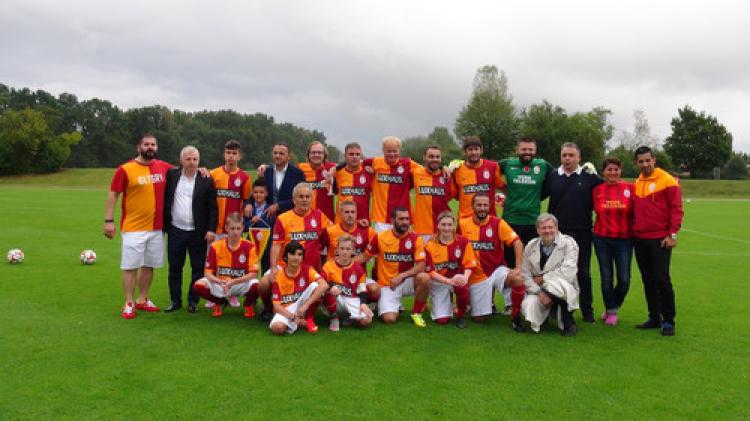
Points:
(182, 207)
(278, 176)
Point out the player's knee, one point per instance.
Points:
(367, 321)
(389, 318)
(278, 328)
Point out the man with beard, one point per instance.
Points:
(476, 175)
(432, 192)
(142, 182)
(400, 262)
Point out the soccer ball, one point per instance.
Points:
(15, 256)
(88, 257)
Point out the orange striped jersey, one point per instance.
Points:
(350, 279)
(232, 189)
(142, 187)
(657, 205)
(227, 263)
(450, 259)
(432, 194)
(485, 178)
(357, 187)
(307, 229)
(390, 187)
(286, 289)
(487, 240)
(395, 254)
(320, 199)
(362, 237)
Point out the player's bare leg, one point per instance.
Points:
(128, 284)
(145, 276)
(421, 292)
(278, 328)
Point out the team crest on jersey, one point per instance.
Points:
(441, 180)
(626, 192)
(652, 187)
(352, 278)
(486, 174)
(313, 223)
(362, 179)
(489, 232)
(359, 239)
(237, 182)
(407, 244)
(301, 282)
(400, 169)
(243, 259)
(458, 254)
(536, 169)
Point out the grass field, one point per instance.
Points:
(66, 352)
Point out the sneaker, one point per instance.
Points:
(507, 311)
(218, 310)
(588, 317)
(334, 325)
(418, 320)
(494, 310)
(147, 305)
(571, 330)
(209, 304)
(128, 312)
(649, 324)
(611, 319)
(311, 326)
(517, 324)
(667, 328)
(461, 322)
(233, 301)
(249, 312)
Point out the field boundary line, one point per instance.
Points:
(719, 237)
(710, 253)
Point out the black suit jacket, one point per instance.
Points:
(283, 196)
(205, 213)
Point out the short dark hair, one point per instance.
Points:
(428, 147)
(482, 194)
(611, 160)
(398, 209)
(526, 140)
(472, 141)
(352, 145)
(233, 145)
(260, 183)
(291, 248)
(288, 149)
(641, 150)
(144, 136)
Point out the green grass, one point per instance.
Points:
(66, 353)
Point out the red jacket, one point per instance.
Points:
(657, 207)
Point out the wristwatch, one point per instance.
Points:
(107, 221)
(673, 236)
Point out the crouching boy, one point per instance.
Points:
(347, 286)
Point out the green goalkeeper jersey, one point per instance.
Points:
(524, 186)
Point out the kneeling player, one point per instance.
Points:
(296, 293)
(450, 261)
(231, 269)
(348, 290)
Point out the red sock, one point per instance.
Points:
(442, 320)
(252, 296)
(419, 306)
(462, 300)
(204, 291)
(516, 297)
(330, 303)
(373, 297)
(310, 313)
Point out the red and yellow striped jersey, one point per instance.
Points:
(487, 240)
(307, 229)
(232, 189)
(485, 178)
(142, 187)
(320, 200)
(227, 263)
(351, 279)
(657, 206)
(395, 254)
(287, 289)
(390, 187)
(362, 236)
(432, 194)
(357, 187)
(450, 259)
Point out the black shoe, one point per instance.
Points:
(570, 330)
(517, 324)
(266, 316)
(495, 310)
(461, 323)
(588, 317)
(192, 307)
(649, 324)
(667, 328)
(173, 307)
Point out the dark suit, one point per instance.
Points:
(179, 241)
(283, 196)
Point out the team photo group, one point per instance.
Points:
(297, 240)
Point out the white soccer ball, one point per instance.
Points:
(88, 257)
(15, 256)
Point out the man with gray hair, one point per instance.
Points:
(549, 272)
(190, 217)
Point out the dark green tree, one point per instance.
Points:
(736, 168)
(698, 142)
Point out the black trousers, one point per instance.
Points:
(583, 239)
(526, 233)
(653, 262)
(180, 242)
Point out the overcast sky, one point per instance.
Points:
(360, 70)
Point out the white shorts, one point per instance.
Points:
(390, 299)
(142, 249)
(350, 306)
(380, 227)
(291, 327)
(235, 290)
(480, 294)
(440, 300)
